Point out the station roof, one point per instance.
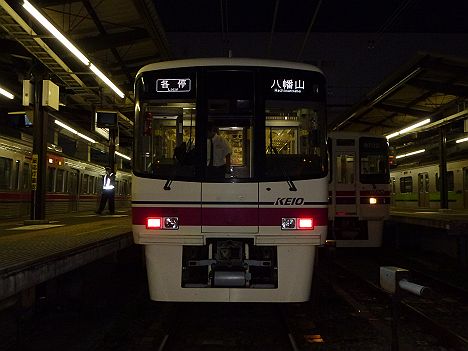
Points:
(120, 37)
(430, 89)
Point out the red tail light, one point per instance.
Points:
(305, 223)
(153, 223)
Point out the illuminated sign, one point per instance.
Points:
(179, 85)
(288, 86)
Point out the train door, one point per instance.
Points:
(393, 185)
(345, 180)
(229, 196)
(73, 189)
(423, 189)
(465, 186)
(229, 203)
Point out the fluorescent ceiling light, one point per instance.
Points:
(122, 155)
(411, 153)
(70, 129)
(16, 113)
(106, 80)
(407, 129)
(461, 140)
(55, 32)
(73, 49)
(6, 93)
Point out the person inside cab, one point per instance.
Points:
(218, 153)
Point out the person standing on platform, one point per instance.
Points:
(108, 192)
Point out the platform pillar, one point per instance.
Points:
(39, 157)
(443, 181)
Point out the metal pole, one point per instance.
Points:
(112, 136)
(38, 191)
(395, 319)
(443, 181)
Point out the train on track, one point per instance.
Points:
(359, 189)
(417, 186)
(71, 185)
(246, 230)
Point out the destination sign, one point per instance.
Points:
(287, 85)
(171, 85)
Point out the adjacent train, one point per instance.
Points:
(248, 233)
(71, 185)
(359, 189)
(417, 186)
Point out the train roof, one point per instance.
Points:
(224, 61)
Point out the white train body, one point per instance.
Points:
(251, 234)
(71, 185)
(359, 189)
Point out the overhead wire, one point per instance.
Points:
(311, 24)
(273, 25)
(392, 19)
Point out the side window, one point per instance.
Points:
(5, 173)
(406, 184)
(50, 179)
(393, 182)
(59, 181)
(92, 189)
(16, 176)
(84, 184)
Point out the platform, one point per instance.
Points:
(32, 254)
(444, 231)
(455, 222)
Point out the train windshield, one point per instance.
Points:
(294, 140)
(264, 137)
(373, 160)
(167, 140)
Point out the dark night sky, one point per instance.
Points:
(417, 16)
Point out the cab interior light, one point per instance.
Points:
(372, 200)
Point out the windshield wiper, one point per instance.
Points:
(289, 181)
(167, 186)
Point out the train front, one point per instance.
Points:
(238, 222)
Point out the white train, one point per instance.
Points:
(359, 189)
(249, 234)
(417, 186)
(72, 185)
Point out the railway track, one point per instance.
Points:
(443, 314)
(223, 326)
